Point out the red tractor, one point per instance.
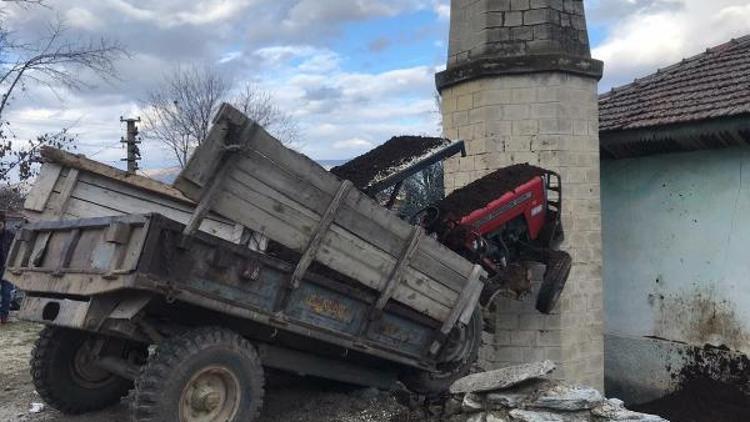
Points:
(504, 221)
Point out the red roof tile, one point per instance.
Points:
(710, 85)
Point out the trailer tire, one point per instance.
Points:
(559, 264)
(66, 381)
(211, 372)
(435, 383)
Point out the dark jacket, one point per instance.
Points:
(6, 238)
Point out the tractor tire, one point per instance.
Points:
(463, 346)
(559, 264)
(65, 378)
(206, 374)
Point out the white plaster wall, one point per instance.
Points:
(676, 232)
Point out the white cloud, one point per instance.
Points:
(306, 12)
(230, 56)
(650, 37)
(281, 45)
(354, 143)
(442, 9)
(81, 18)
(346, 113)
(175, 13)
(734, 17)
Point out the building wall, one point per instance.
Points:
(549, 120)
(676, 260)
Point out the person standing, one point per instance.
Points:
(6, 238)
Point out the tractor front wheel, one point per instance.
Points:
(558, 264)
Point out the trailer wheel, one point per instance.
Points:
(459, 354)
(203, 375)
(66, 379)
(559, 264)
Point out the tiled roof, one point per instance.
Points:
(710, 85)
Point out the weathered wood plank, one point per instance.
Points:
(317, 238)
(473, 287)
(205, 161)
(258, 219)
(147, 196)
(209, 196)
(80, 162)
(66, 190)
(78, 208)
(42, 189)
(399, 270)
(360, 215)
(365, 272)
(284, 195)
(260, 212)
(106, 197)
(361, 262)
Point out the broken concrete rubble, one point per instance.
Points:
(565, 397)
(520, 394)
(502, 378)
(614, 410)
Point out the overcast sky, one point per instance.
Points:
(353, 72)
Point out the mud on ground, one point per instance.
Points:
(288, 398)
(714, 386)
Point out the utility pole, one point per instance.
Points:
(134, 153)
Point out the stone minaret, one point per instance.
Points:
(521, 87)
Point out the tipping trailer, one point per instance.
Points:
(383, 302)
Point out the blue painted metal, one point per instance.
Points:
(216, 271)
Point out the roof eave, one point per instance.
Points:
(682, 137)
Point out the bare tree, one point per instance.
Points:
(19, 161)
(11, 198)
(178, 114)
(53, 61)
(260, 106)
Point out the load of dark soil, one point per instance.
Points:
(702, 400)
(485, 190)
(396, 152)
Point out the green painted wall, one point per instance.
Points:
(676, 231)
(677, 246)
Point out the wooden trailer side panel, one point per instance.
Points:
(75, 188)
(284, 195)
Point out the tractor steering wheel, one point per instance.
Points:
(426, 217)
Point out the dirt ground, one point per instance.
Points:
(288, 399)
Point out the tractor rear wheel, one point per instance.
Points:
(459, 354)
(65, 376)
(204, 375)
(558, 264)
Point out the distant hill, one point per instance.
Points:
(329, 164)
(165, 175)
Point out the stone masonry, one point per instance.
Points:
(523, 393)
(521, 87)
